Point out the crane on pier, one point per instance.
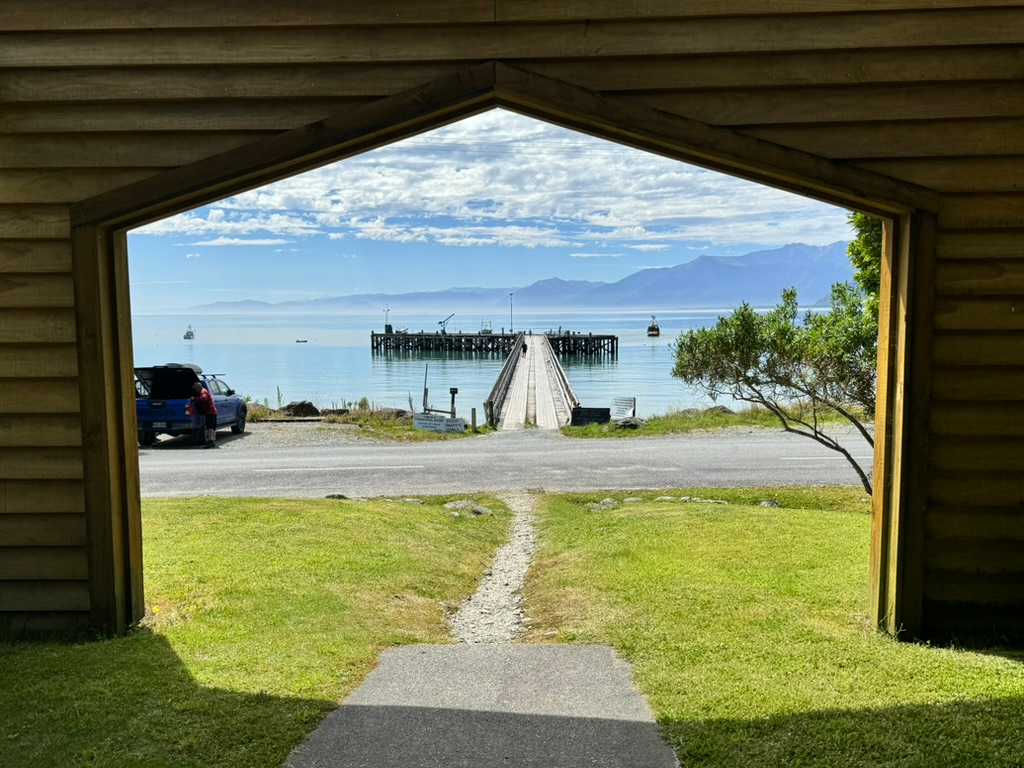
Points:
(444, 323)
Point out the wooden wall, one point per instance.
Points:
(95, 96)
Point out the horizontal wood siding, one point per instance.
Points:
(974, 561)
(44, 624)
(33, 221)
(142, 14)
(137, 14)
(869, 103)
(153, 149)
(41, 530)
(39, 395)
(63, 497)
(248, 114)
(976, 523)
(95, 96)
(34, 256)
(973, 384)
(41, 464)
(572, 39)
(546, 10)
(44, 595)
(32, 291)
(63, 186)
(37, 94)
(954, 174)
(43, 538)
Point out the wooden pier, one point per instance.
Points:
(571, 343)
(563, 344)
(531, 390)
(499, 343)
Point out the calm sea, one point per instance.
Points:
(257, 355)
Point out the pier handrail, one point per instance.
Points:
(561, 381)
(496, 399)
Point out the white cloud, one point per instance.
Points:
(500, 179)
(193, 255)
(194, 223)
(219, 241)
(595, 255)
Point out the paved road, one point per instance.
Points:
(530, 459)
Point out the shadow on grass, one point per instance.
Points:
(984, 733)
(131, 701)
(1010, 654)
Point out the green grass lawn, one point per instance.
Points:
(746, 627)
(262, 615)
(696, 420)
(748, 633)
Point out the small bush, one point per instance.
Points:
(258, 412)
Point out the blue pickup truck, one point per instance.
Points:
(163, 402)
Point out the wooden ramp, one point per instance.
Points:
(539, 394)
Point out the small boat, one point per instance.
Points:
(653, 329)
(189, 334)
(401, 329)
(301, 341)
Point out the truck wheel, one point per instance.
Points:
(147, 438)
(239, 426)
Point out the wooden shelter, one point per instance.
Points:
(114, 113)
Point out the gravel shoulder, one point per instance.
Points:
(287, 434)
(314, 432)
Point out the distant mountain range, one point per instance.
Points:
(706, 282)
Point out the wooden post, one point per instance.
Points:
(110, 458)
(901, 425)
(472, 417)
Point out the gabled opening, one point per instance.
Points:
(100, 265)
(498, 222)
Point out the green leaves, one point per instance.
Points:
(865, 252)
(798, 369)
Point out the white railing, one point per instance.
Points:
(496, 399)
(561, 381)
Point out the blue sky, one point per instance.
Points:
(497, 200)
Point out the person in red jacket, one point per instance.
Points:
(204, 404)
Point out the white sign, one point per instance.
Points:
(623, 408)
(435, 422)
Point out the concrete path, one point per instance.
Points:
(484, 706)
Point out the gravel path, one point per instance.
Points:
(494, 614)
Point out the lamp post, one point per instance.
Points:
(510, 313)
